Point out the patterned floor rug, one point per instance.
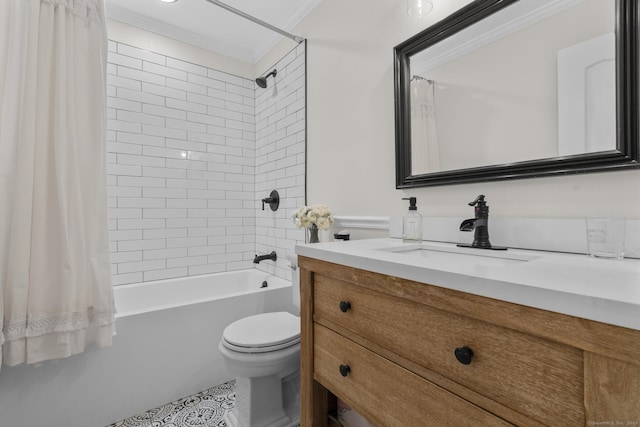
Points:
(204, 409)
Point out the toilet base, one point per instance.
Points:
(259, 403)
(232, 421)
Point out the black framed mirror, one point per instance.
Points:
(527, 88)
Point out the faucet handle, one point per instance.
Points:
(479, 201)
(273, 200)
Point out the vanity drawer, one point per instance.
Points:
(389, 394)
(540, 379)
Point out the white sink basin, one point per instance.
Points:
(463, 255)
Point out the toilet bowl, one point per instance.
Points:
(263, 353)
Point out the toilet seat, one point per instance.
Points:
(262, 333)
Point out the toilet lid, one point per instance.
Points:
(267, 331)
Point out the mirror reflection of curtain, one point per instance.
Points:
(425, 156)
(55, 276)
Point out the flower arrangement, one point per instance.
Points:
(313, 218)
(314, 215)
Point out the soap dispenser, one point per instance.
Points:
(412, 223)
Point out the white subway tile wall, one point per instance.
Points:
(192, 151)
(280, 158)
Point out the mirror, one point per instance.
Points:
(505, 89)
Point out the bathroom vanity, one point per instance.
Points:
(431, 334)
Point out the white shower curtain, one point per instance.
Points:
(425, 155)
(55, 296)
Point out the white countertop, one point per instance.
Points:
(603, 290)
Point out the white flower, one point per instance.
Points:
(323, 223)
(306, 216)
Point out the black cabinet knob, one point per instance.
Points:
(345, 306)
(344, 370)
(464, 355)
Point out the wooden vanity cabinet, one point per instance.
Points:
(404, 353)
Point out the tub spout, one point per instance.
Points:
(272, 256)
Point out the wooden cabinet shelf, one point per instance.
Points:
(515, 365)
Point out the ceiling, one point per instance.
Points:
(203, 24)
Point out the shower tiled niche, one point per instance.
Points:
(191, 152)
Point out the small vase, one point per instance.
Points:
(313, 234)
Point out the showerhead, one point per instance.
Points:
(262, 81)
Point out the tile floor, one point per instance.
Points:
(204, 409)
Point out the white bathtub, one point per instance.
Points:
(166, 347)
(139, 298)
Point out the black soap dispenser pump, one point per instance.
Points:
(412, 223)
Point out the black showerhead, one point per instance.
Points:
(262, 81)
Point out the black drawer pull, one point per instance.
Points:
(464, 355)
(344, 370)
(345, 306)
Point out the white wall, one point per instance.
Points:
(192, 149)
(181, 153)
(351, 159)
(166, 46)
(280, 158)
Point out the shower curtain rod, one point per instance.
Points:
(297, 39)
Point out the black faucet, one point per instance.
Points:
(273, 200)
(480, 224)
(272, 256)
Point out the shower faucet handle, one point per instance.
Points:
(273, 200)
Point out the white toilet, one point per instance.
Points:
(263, 353)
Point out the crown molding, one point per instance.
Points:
(507, 21)
(252, 55)
(293, 20)
(154, 26)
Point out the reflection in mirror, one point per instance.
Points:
(530, 86)
(497, 84)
